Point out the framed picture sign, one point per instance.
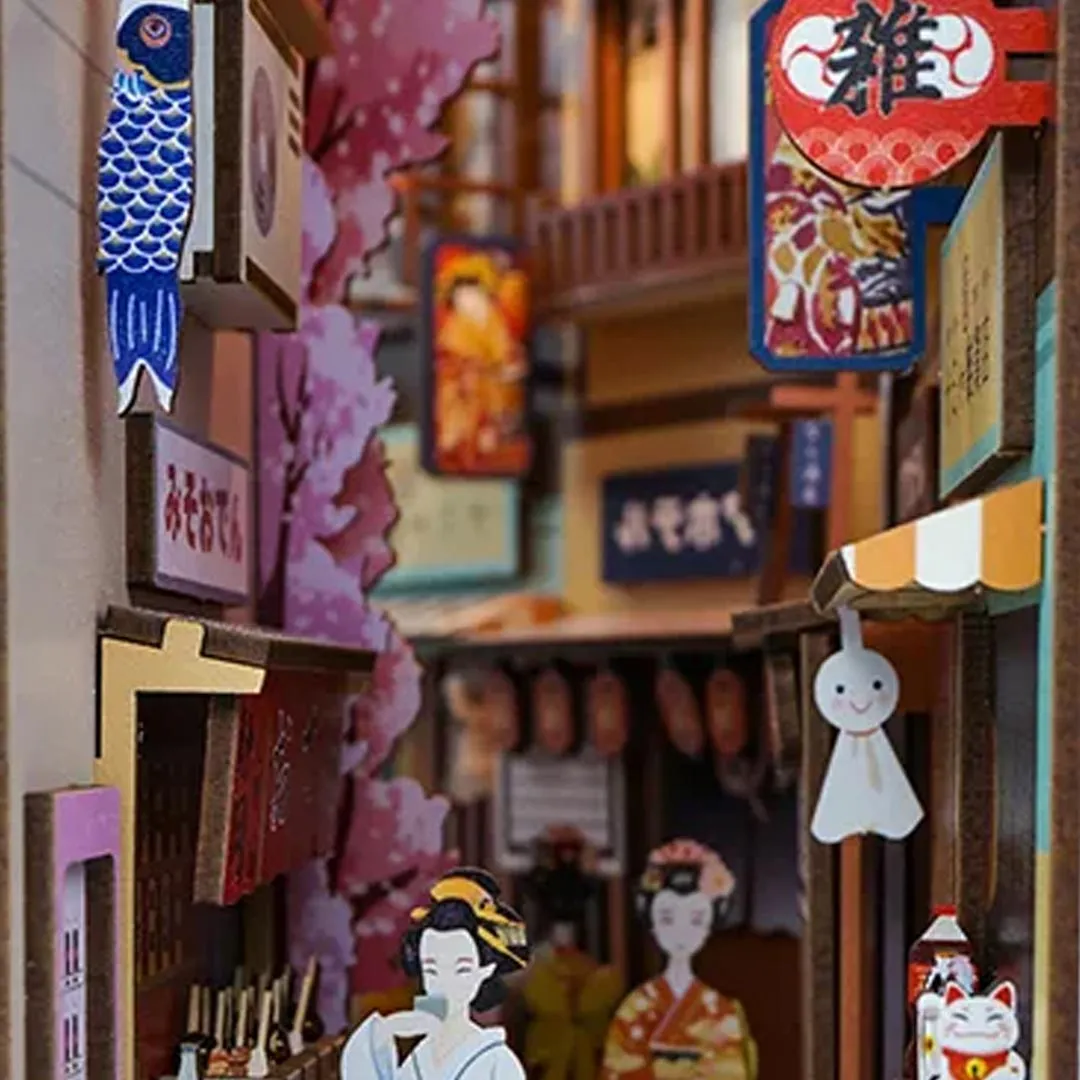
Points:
(188, 514)
(988, 321)
(678, 524)
(72, 964)
(475, 327)
(449, 531)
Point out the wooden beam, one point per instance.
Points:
(1063, 917)
(736, 400)
(528, 43)
(669, 56)
(818, 870)
(611, 95)
(590, 128)
(778, 536)
(696, 134)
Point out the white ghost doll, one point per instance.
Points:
(865, 788)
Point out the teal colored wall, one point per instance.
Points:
(1040, 463)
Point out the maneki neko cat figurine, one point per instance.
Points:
(962, 1036)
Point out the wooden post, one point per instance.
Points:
(696, 134)
(817, 871)
(844, 403)
(1063, 917)
(528, 45)
(669, 52)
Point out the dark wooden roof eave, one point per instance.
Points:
(237, 643)
(752, 628)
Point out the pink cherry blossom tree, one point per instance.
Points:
(326, 506)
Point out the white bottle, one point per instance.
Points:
(189, 1062)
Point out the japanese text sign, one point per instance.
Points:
(811, 460)
(450, 531)
(188, 514)
(889, 94)
(972, 328)
(678, 524)
(762, 468)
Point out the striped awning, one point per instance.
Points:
(942, 561)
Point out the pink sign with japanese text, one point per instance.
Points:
(199, 496)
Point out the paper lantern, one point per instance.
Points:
(608, 713)
(501, 711)
(553, 713)
(725, 706)
(679, 712)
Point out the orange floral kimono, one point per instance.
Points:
(700, 1036)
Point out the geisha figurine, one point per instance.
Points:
(461, 948)
(568, 997)
(675, 1026)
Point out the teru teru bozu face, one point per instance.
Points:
(157, 42)
(856, 690)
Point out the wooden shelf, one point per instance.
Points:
(305, 25)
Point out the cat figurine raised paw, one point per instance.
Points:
(964, 1036)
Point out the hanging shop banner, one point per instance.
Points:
(678, 524)
(272, 765)
(987, 322)
(763, 464)
(890, 94)
(448, 532)
(837, 277)
(187, 514)
(146, 191)
(475, 333)
(811, 464)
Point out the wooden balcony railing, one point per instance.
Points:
(682, 235)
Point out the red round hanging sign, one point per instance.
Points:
(892, 93)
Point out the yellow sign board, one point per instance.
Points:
(450, 531)
(973, 327)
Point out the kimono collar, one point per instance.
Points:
(450, 1068)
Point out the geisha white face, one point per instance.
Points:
(450, 966)
(473, 302)
(681, 922)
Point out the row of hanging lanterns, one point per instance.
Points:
(719, 720)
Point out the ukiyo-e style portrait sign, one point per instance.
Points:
(837, 280)
(146, 174)
(865, 789)
(461, 947)
(476, 312)
(675, 1025)
(889, 94)
(72, 976)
